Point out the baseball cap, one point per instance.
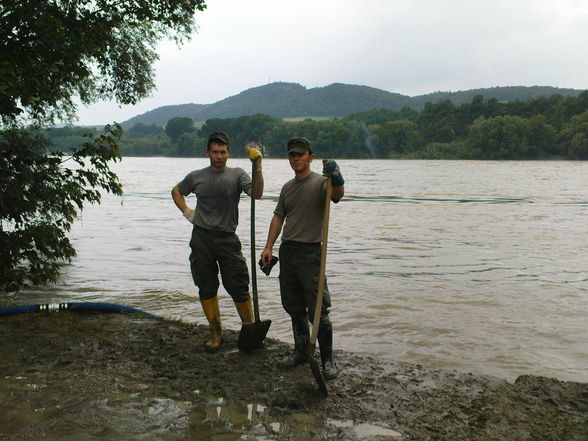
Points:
(298, 144)
(219, 136)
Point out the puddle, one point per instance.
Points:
(129, 415)
(365, 431)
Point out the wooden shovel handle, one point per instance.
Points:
(321, 283)
(253, 266)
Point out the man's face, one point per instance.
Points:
(300, 162)
(218, 154)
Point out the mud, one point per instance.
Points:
(111, 377)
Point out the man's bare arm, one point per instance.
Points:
(272, 235)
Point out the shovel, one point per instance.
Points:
(252, 334)
(314, 366)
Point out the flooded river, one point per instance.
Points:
(476, 266)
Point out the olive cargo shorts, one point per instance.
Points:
(212, 250)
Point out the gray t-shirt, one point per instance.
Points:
(302, 204)
(217, 196)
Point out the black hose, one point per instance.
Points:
(87, 307)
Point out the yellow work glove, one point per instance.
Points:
(254, 155)
(189, 214)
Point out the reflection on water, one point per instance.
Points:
(365, 430)
(477, 266)
(133, 416)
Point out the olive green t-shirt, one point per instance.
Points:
(302, 204)
(217, 196)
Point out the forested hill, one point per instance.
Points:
(505, 94)
(283, 100)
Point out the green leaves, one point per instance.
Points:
(53, 52)
(176, 127)
(41, 195)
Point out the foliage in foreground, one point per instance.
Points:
(56, 53)
(40, 199)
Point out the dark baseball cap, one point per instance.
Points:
(219, 136)
(298, 144)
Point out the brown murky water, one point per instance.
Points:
(473, 265)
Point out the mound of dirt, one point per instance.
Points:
(110, 377)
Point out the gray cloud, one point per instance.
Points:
(408, 46)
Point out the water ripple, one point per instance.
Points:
(477, 266)
(420, 200)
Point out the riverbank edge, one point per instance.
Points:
(161, 358)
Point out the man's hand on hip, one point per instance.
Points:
(189, 214)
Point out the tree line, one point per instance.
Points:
(553, 127)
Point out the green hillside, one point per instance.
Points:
(162, 115)
(506, 93)
(554, 127)
(291, 100)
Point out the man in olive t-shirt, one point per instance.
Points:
(301, 206)
(214, 243)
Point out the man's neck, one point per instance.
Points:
(303, 174)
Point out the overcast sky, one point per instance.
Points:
(410, 47)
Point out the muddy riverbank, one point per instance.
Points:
(68, 376)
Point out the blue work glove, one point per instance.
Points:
(330, 168)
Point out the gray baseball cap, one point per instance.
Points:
(298, 144)
(219, 136)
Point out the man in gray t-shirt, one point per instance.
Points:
(301, 207)
(214, 243)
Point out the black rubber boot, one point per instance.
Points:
(301, 337)
(325, 338)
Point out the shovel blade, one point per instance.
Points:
(316, 370)
(252, 335)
